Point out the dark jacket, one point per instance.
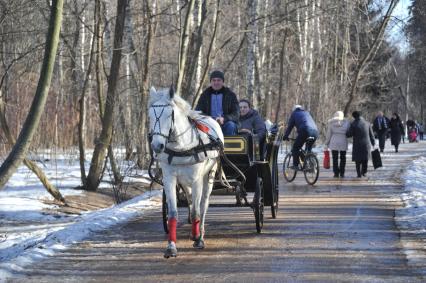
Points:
(303, 122)
(231, 109)
(397, 130)
(363, 138)
(253, 122)
(381, 128)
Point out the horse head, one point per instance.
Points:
(161, 117)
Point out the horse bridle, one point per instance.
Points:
(157, 121)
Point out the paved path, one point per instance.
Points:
(339, 230)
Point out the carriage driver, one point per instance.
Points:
(220, 103)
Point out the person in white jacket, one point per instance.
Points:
(337, 142)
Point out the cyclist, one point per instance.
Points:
(306, 127)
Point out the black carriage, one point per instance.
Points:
(250, 166)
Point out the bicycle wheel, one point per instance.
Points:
(289, 174)
(311, 169)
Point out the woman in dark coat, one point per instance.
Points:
(363, 138)
(397, 130)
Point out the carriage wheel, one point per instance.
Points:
(275, 191)
(165, 210)
(311, 169)
(258, 204)
(289, 174)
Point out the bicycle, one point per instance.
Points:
(308, 163)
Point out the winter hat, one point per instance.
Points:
(338, 115)
(356, 114)
(297, 106)
(217, 74)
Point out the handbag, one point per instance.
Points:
(377, 160)
(326, 160)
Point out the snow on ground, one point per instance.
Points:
(28, 232)
(411, 219)
(413, 216)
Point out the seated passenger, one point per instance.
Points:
(250, 120)
(220, 103)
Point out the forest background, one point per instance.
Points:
(327, 55)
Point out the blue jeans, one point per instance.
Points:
(229, 128)
(300, 140)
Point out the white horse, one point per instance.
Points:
(186, 145)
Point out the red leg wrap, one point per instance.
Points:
(196, 228)
(172, 229)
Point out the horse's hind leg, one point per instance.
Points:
(170, 189)
(204, 204)
(195, 211)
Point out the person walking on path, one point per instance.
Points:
(396, 130)
(421, 130)
(381, 127)
(220, 103)
(363, 138)
(337, 142)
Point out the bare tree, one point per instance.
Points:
(96, 166)
(23, 142)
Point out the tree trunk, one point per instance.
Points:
(193, 53)
(144, 90)
(20, 149)
(251, 50)
(209, 52)
(280, 86)
(82, 129)
(184, 46)
(93, 179)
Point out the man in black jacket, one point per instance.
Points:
(220, 103)
(381, 126)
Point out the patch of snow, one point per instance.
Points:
(411, 219)
(413, 215)
(28, 232)
(32, 246)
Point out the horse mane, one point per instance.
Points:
(177, 100)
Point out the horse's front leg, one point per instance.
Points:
(172, 216)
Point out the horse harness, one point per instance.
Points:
(214, 144)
